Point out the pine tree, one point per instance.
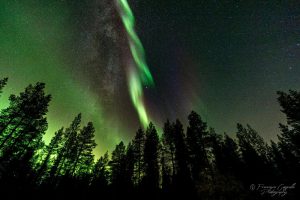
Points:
(22, 126)
(84, 148)
(254, 152)
(50, 150)
(101, 175)
(151, 156)
(196, 141)
(166, 176)
(228, 168)
(290, 104)
(290, 133)
(65, 155)
(169, 147)
(138, 147)
(24, 122)
(130, 163)
(289, 153)
(289, 138)
(230, 162)
(182, 180)
(279, 161)
(118, 166)
(25, 114)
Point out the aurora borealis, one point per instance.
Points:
(136, 80)
(224, 59)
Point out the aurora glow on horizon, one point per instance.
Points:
(137, 78)
(223, 59)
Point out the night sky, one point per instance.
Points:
(224, 59)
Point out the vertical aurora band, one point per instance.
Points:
(139, 74)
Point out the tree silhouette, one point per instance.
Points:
(138, 148)
(151, 159)
(166, 185)
(120, 175)
(228, 161)
(50, 149)
(280, 162)
(101, 175)
(196, 140)
(23, 125)
(228, 168)
(84, 148)
(254, 153)
(169, 147)
(130, 163)
(290, 135)
(288, 159)
(25, 114)
(200, 164)
(182, 179)
(23, 130)
(66, 155)
(290, 104)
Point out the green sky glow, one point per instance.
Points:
(34, 41)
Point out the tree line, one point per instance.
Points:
(194, 164)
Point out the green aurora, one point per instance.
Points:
(136, 79)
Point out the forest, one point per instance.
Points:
(192, 162)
